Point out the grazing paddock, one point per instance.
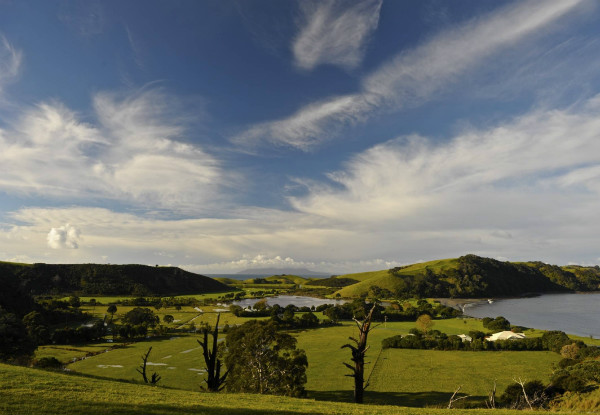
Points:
(400, 377)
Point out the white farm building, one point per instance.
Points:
(505, 335)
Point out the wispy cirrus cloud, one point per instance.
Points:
(10, 62)
(334, 32)
(134, 152)
(414, 76)
(526, 188)
(526, 184)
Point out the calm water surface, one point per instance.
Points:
(572, 313)
(284, 300)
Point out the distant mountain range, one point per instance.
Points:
(301, 272)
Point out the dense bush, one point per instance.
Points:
(554, 340)
(15, 344)
(497, 324)
(69, 335)
(440, 341)
(141, 316)
(48, 363)
(513, 396)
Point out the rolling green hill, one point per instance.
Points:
(471, 276)
(289, 279)
(27, 391)
(332, 282)
(102, 279)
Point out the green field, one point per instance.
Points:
(26, 391)
(400, 377)
(181, 317)
(68, 353)
(414, 377)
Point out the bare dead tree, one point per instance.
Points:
(155, 376)
(491, 402)
(358, 355)
(522, 383)
(214, 382)
(453, 399)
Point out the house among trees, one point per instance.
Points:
(505, 335)
(465, 338)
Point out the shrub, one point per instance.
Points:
(554, 340)
(48, 363)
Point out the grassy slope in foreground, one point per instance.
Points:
(30, 391)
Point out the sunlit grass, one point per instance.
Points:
(29, 391)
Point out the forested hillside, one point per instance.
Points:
(470, 276)
(101, 279)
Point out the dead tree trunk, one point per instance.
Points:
(214, 381)
(520, 382)
(155, 376)
(453, 399)
(358, 355)
(491, 402)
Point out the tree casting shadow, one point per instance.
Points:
(413, 399)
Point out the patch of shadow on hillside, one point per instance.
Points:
(413, 399)
(92, 407)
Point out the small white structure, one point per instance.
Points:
(465, 338)
(505, 335)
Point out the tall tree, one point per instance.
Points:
(263, 360)
(112, 309)
(358, 355)
(214, 381)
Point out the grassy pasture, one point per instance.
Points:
(178, 360)
(429, 377)
(414, 377)
(29, 391)
(113, 299)
(181, 317)
(66, 353)
(400, 377)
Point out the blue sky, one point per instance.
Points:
(333, 135)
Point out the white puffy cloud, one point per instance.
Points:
(66, 236)
(412, 77)
(135, 153)
(334, 32)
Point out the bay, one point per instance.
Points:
(577, 314)
(285, 300)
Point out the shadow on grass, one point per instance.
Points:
(106, 408)
(414, 399)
